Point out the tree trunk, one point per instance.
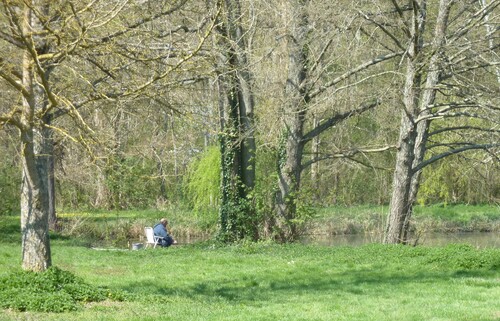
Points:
(48, 151)
(401, 181)
(428, 97)
(399, 205)
(236, 107)
(34, 193)
(414, 132)
(290, 156)
(315, 144)
(34, 207)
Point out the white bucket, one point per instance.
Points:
(137, 246)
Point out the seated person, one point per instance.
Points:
(160, 230)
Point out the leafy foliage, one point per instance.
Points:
(203, 180)
(54, 290)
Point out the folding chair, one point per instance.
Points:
(151, 238)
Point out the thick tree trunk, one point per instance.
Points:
(290, 157)
(245, 99)
(401, 182)
(34, 206)
(243, 95)
(236, 105)
(35, 188)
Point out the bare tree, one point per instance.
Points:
(434, 68)
(309, 79)
(74, 56)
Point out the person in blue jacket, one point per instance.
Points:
(160, 230)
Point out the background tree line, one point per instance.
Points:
(253, 110)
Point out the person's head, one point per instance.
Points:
(164, 222)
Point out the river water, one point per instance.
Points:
(476, 239)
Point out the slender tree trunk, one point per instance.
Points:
(290, 156)
(413, 132)
(399, 205)
(428, 97)
(48, 150)
(315, 143)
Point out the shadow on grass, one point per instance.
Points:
(269, 287)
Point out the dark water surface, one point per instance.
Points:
(476, 239)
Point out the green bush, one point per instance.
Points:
(54, 290)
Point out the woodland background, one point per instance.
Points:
(138, 98)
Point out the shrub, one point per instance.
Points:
(54, 290)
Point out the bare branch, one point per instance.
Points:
(11, 39)
(337, 118)
(406, 28)
(142, 22)
(349, 154)
(459, 128)
(14, 82)
(453, 152)
(385, 30)
(353, 71)
(476, 19)
(11, 118)
(320, 56)
(435, 116)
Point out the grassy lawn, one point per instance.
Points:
(279, 282)
(266, 281)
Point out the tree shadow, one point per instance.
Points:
(265, 287)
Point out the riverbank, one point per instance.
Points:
(121, 228)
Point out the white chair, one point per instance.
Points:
(151, 238)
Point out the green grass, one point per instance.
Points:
(266, 281)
